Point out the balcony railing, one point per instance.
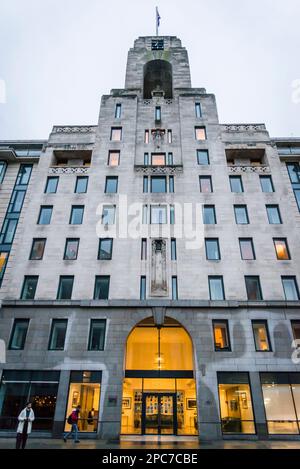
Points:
(159, 169)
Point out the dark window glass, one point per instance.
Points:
(29, 287)
(37, 249)
(253, 288)
(212, 249)
(65, 287)
(216, 288)
(247, 249)
(174, 288)
(241, 214)
(101, 291)
(296, 329)
(261, 336)
(209, 215)
(266, 183)
(71, 249)
(111, 185)
(51, 185)
(290, 288)
(221, 336)
(143, 288)
(236, 184)
(202, 157)
(97, 334)
(18, 335)
(105, 249)
(81, 184)
(58, 334)
(45, 214)
(273, 214)
(294, 172)
(205, 184)
(173, 250)
(76, 216)
(158, 184)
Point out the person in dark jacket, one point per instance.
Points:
(73, 420)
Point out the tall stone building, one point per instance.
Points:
(149, 267)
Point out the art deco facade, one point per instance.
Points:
(152, 329)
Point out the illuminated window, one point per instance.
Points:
(146, 136)
(29, 287)
(281, 248)
(200, 133)
(290, 288)
(71, 249)
(3, 260)
(253, 287)
(116, 134)
(221, 335)
(261, 336)
(205, 184)
(113, 158)
(18, 334)
(158, 159)
(247, 249)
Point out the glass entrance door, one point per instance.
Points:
(159, 414)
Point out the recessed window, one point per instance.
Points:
(236, 184)
(158, 159)
(202, 157)
(9, 229)
(24, 175)
(111, 185)
(108, 214)
(3, 167)
(216, 287)
(97, 335)
(145, 214)
(29, 287)
(273, 213)
(247, 249)
(116, 134)
(76, 216)
(16, 202)
(146, 136)
(198, 112)
(51, 185)
(173, 250)
(205, 184)
(174, 288)
(221, 336)
(266, 183)
(58, 334)
(158, 214)
(71, 249)
(113, 158)
(241, 214)
(144, 249)
(65, 287)
(172, 214)
(143, 288)
(118, 111)
(209, 215)
(101, 290)
(281, 249)
(296, 329)
(290, 288)
(170, 138)
(81, 184)
(145, 184)
(200, 133)
(212, 249)
(158, 113)
(170, 159)
(253, 288)
(261, 336)
(146, 159)
(37, 249)
(18, 334)
(105, 249)
(171, 184)
(45, 215)
(158, 184)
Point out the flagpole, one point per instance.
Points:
(156, 22)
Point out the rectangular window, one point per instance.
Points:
(158, 113)
(296, 329)
(158, 159)
(221, 336)
(247, 249)
(65, 287)
(158, 184)
(266, 183)
(146, 136)
(116, 134)
(71, 249)
(146, 159)
(253, 288)
(216, 288)
(101, 291)
(173, 250)
(170, 136)
(16, 202)
(241, 214)
(297, 196)
(200, 133)
(158, 214)
(145, 215)
(261, 336)
(24, 175)
(172, 214)
(171, 184)
(235, 403)
(97, 335)
(76, 216)
(51, 185)
(3, 167)
(209, 215)
(105, 249)
(145, 184)
(118, 111)
(174, 288)
(170, 159)
(198, 112)
(108, 214)
(18, 334)
(281, 249)
(29, 287)
(143, 288)
(290, 288)
(144, 249)
(37, 249)
(273, 213)
(236, 184)
(205, 184)
(3, 260)
(9, 231)
(212, 249)
(111, 185)
(58, 334)
(81, 184)
(202, 157)
(45, 215)
(113, 158)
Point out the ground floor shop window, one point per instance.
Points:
(38, 387)
(84, 390)
(235, 403)
(281, 392)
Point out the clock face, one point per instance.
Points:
(157, 44)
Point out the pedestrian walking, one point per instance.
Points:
(26, 417)
(73, 421)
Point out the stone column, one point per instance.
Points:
(61, 404)
(258, 406)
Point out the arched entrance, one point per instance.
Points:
(159, 389)
(158, 77)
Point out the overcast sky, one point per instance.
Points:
(57, 57)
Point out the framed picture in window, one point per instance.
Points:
(75, 399)
(244, 400)
(191, 404)
(126, 402)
